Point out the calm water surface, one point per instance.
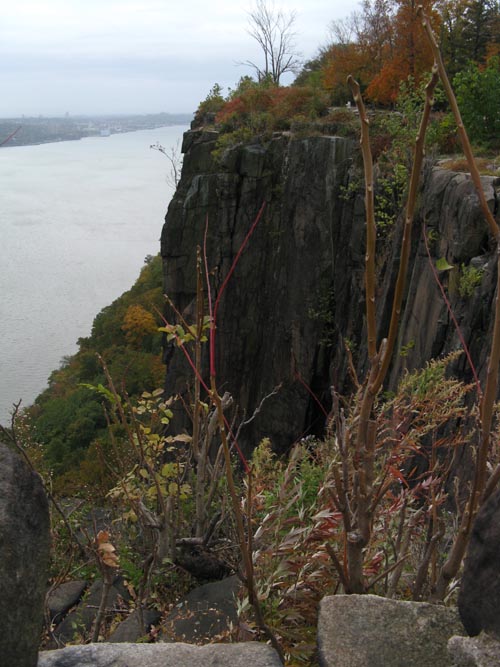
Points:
(77, 219)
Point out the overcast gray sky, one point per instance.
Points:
(133, 56)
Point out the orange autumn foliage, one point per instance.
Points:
(410, 55)
(385, 46)
(345, 59)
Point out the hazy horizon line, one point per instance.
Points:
(107, 114)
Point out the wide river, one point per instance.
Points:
(77, 219)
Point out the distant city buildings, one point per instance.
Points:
(42, 130)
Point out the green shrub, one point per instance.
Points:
(67, 417)
(442, 133)
(212, 103)
(228, 140)
(478, 96)
(470, 278)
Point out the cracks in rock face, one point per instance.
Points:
(302, 187)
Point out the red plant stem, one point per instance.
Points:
(234, 442)
(181, 345)
(311, 393)
(212, 349)
(452, 315)
(12, 134)
(224, 285)
(205, 387)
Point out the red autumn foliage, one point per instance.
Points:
(280, 103)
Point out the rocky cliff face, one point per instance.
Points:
(297, 293)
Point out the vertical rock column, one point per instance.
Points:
(24, 557)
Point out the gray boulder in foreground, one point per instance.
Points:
(481, 651)
(130, 630)
(250, 654)
(372, 631)
(65, 596)
(204, 613)
(79, 622)
(24, 559)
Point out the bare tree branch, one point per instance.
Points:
(273, 31)
(174, 156)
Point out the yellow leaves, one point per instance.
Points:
(106, 551)
(168, 416)
(169, 470)
(130, 516)
(183, 491)
(153, 479)
(172, 489)
(145, 483)
(151, 493)
(138, 323)
(152, 405)
(156, 394)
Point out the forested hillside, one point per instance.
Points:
(68, 416)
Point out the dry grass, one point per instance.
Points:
(488, 166)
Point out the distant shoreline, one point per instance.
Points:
(37, 131)
(88, 136)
